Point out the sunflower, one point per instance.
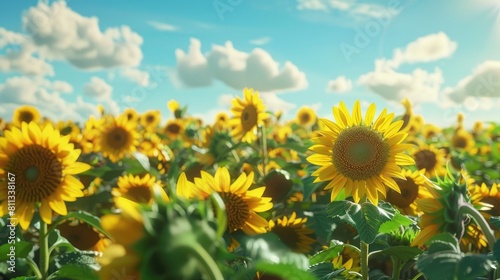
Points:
(481, 195)
(248, 114)
(462, 140)
(173, 105)
(411, 189)
(43, 164)
(360, 156)
(174, 128)
(474, 240)
(83, 236)
(126, 228)
(431, 159)
(348, 259)
(292, 231)
(25, 114)
(305, 116)
(242, 205)
(282, 133)
(139, 189)
(221, 121)
(408, 112)
(131, 115)
(118, 138)
(430, 131)
(150, 120)
(278, 184)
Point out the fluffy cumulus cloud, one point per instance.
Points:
(419, 85)
(98, 88)
(59, 33)
(45, 95)
(425, 49)
(484, 82)
(135, 75)
(340, 84)
(10, 38)
(24, 61)
(236, 69)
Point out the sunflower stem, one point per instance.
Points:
(364, 260)
(204, 258)
(466, 208)
(263, 143)
(34, 268)
(396, 268)
(44, 250)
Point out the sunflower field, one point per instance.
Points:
(360, 195)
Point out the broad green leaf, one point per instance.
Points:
(84, 217)
(326, 255)
(74, 272)
(21, 250)
(326, 271)
(77, 257)
(395, 223)
(285, 271)
(472, 266)
(404, 253)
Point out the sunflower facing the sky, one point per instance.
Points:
(360, 156)
(118, 138)
(242, 204)
(43, 164)
(293, 232)
(248, 114)
(150, 120)
(431, 159)
(25, 114)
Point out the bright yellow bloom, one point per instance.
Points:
(139, 189)
(25, 114)
(248, 114)
(360, 156)
(118, 138)
(305, 116)
(431, 159)
(43, 164)
(293, 232)
(411, 189)
(150, 120)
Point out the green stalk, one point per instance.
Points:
(263, 144)
(34, 268)
(44, 250)
(364, 260)
(396, 268)
(466, 208)
(204, 258)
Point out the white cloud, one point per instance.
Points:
(351, 8)
(273, 103)
(260, 41)
(162, 26)
(340, 84)
(135, 75)
(236, 69)
(25, 62)
(484, 82)
(10, 38)
(311, 5)
(62, 34)
(62, 87)
(45, 96)
(419, 85)
(98, 88)
(425, 49)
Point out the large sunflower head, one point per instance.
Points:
(305, 116)
(25, 114)
(242, 204)
(293, 232)
(139, 189)
(431, 159)
(412, 187)
(83, 236)
(360, 156)
(43, 163)
(150, 119)
(118, 138)
(481, 195)
(248, 114)
(174, 128)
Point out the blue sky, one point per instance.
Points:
(66, 57)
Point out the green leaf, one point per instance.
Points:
(74, 272)
(286, 271)
(496, 250)
(143, 160)
(21, 250)
(472, 266)
(395, 223)
(495, 221)
(220, 214)
(326, 255)
(340, 209)
(404, 253)
(84, 217)
(326, 271)
(77, 257)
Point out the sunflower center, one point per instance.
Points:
(425, 159)
(237, 210)
(360, 153)
(249, 117)
(409, 192)
(26, 116)
(288, 236)
(173, 128)
(459, 142)
(117, 137)
(150, 118)
(141, 194)
(305, 118)
(40, 172)
(82, 236)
